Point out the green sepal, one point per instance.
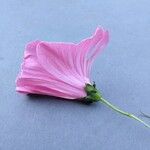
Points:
(93, 95)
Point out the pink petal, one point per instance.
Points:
(59, 60)
(35, 79)
(91, 47)
(59, 69)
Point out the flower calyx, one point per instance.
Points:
(93, 95)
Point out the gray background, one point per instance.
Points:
(122, 73)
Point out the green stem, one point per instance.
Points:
(123, 112)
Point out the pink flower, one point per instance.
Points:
(60, 69)
(63, 70)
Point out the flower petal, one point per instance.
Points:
(90, 47)
(35, 79)
(59, 60)
(37, 86)
(59, 69)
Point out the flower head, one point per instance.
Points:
(63, 70)
(60, 69)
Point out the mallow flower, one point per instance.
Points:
(63, 70)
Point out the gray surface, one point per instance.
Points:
(122, 73)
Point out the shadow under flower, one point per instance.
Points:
(46, 98)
